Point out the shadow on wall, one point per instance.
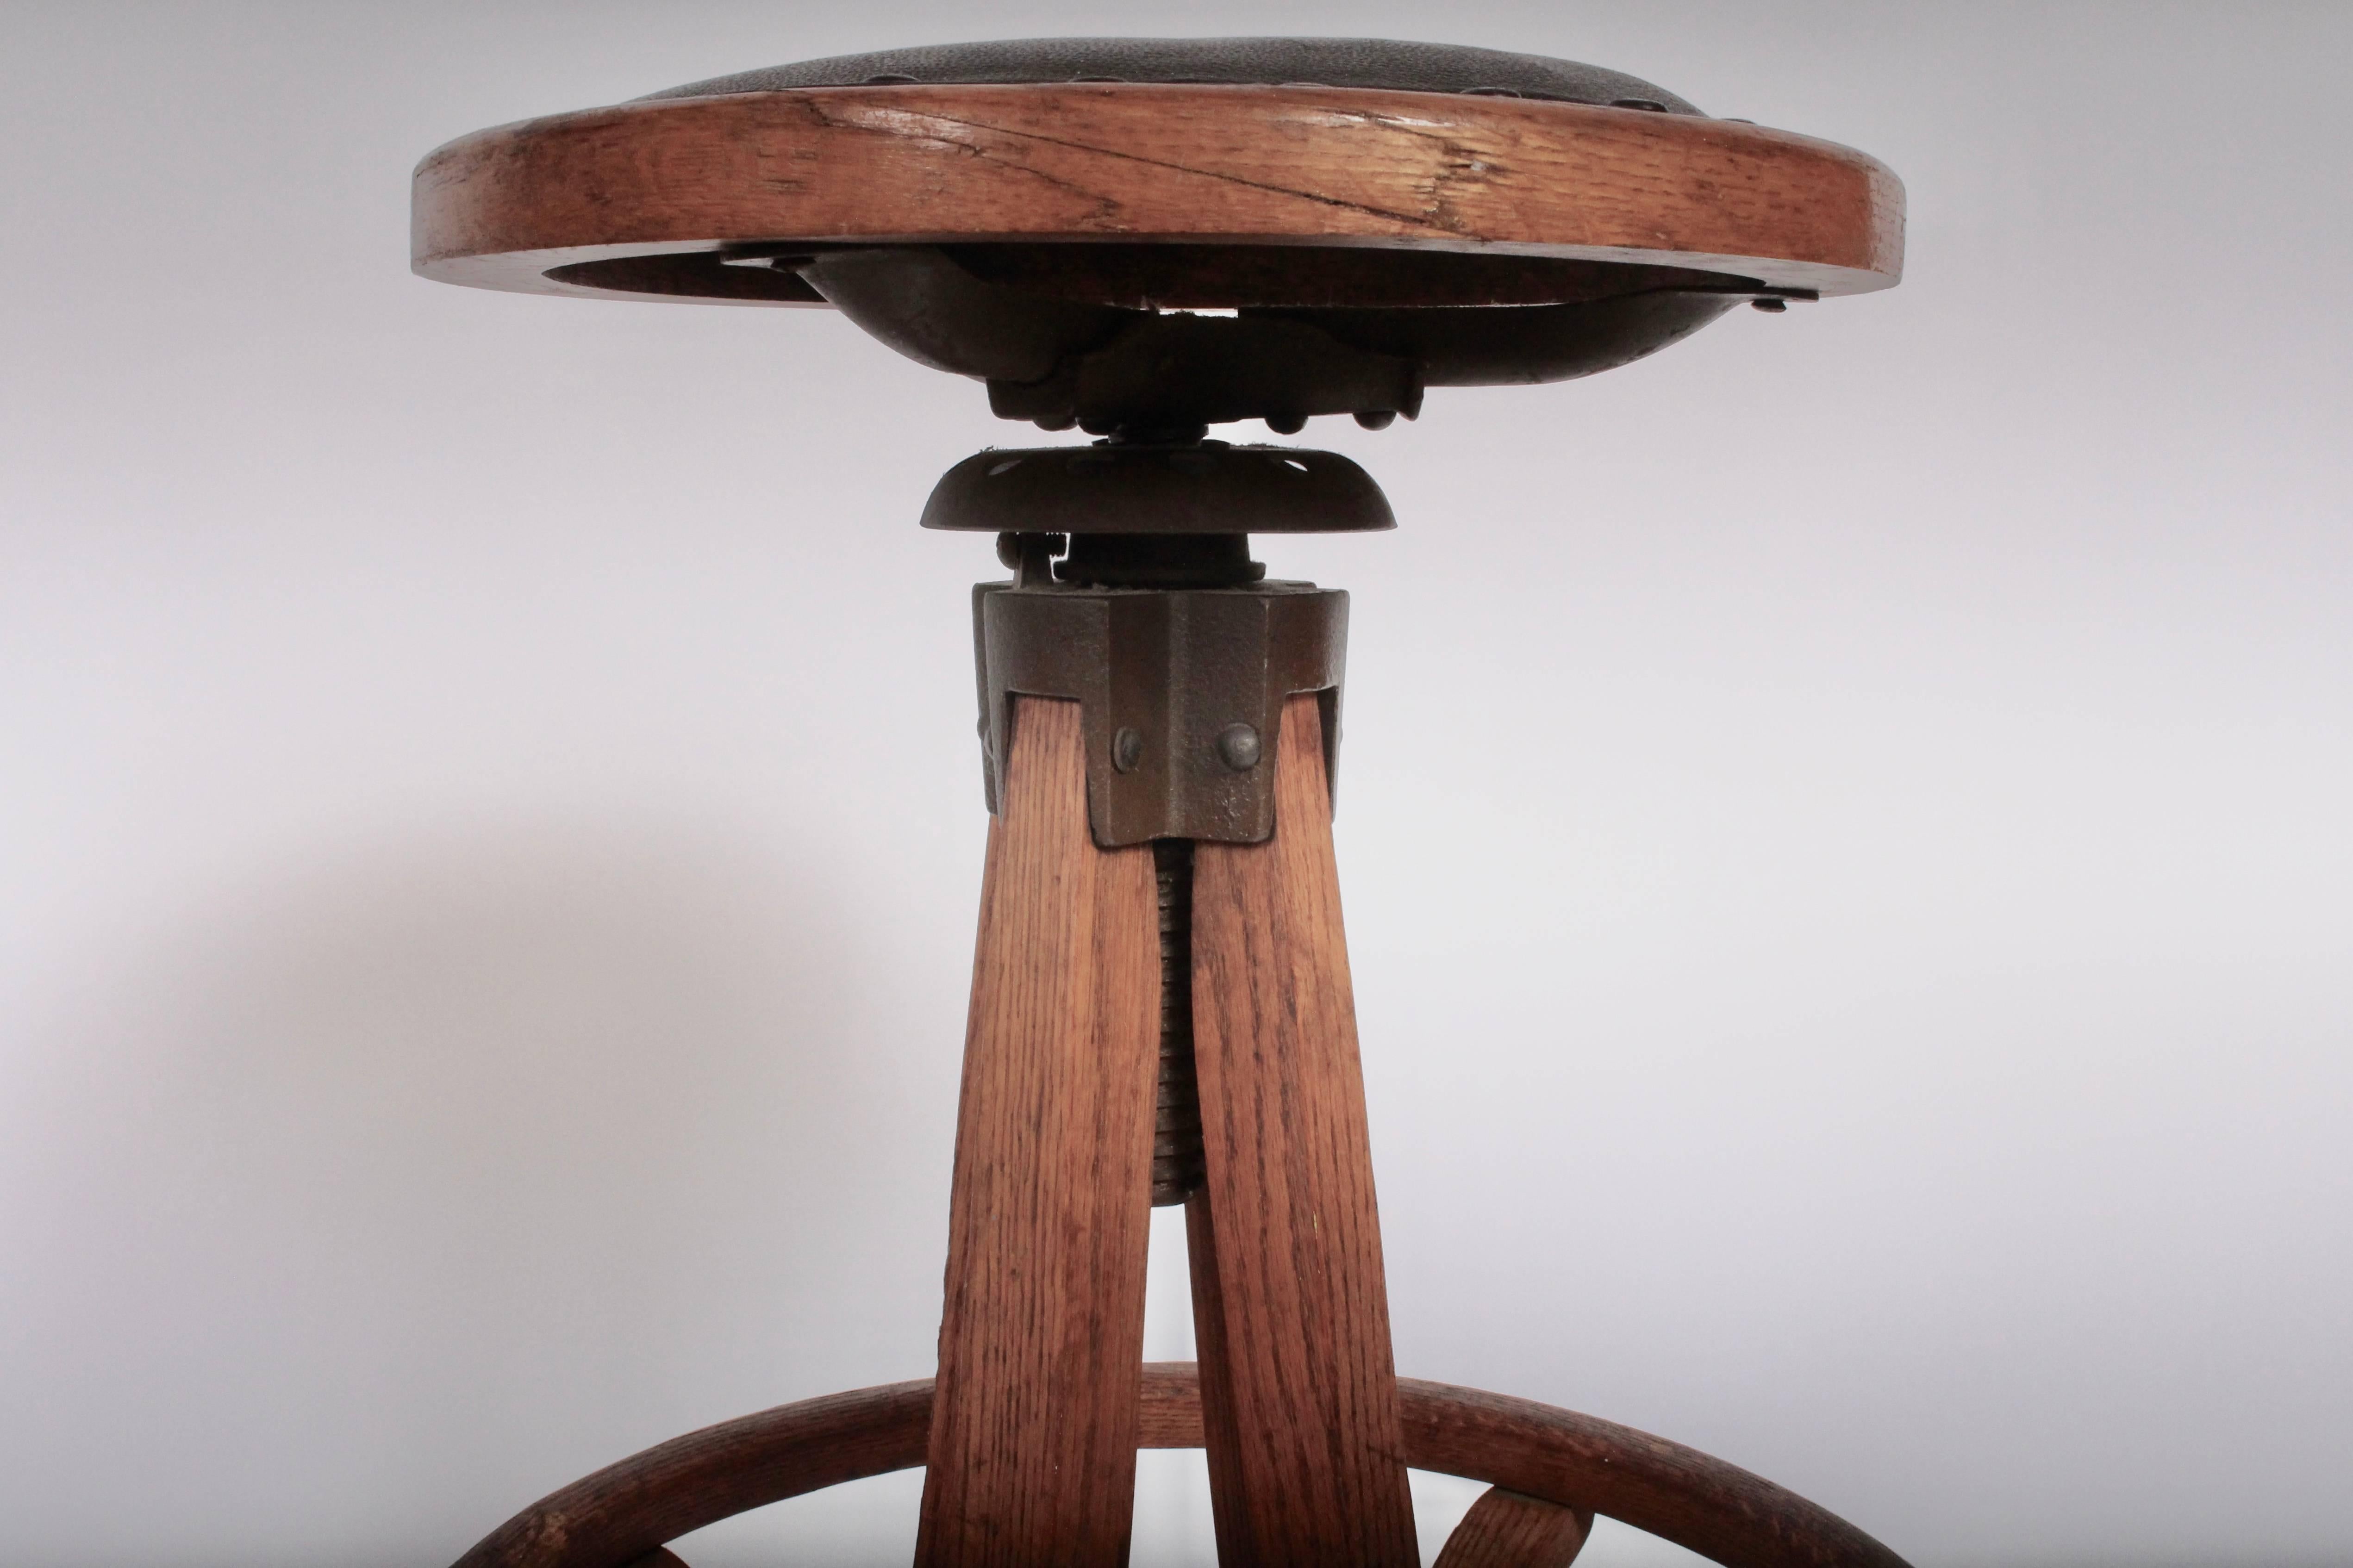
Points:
(448, 1152)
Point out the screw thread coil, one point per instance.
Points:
(1176, 1159)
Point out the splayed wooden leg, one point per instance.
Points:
(1291, 1309)
(1033, 1436)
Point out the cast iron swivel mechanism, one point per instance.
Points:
(1146, 239)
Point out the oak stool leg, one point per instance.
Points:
(1291, 1310)
(1033, 1436)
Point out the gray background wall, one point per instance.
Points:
(1845, 823)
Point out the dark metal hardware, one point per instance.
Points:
(938, 314)
(1185, 671)
(1159, 561)
(1059, 360)
(1212, 369)
(1198, 487)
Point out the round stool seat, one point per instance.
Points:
(1366, 219)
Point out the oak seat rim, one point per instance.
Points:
(503, 207)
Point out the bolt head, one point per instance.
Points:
(1239, 747)
(1126, 749)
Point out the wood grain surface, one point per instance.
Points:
(1032, 1452)
(1509, 1530)
(931, 163)
(1289, 1307)
(1719, 1511)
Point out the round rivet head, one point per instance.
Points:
(1238, 747)
(1126, 751)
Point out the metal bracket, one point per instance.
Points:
(1181, 693)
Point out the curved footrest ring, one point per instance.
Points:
(628, 1511)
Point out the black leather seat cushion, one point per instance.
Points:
(1377, 63)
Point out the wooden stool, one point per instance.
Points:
(1144, 239)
